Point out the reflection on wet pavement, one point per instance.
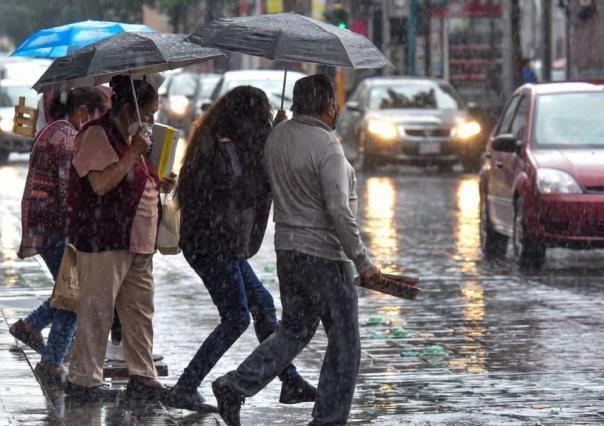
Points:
(482, 344)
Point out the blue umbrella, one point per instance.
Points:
(60, 41)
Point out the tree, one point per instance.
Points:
(187, 15)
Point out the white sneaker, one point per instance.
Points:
(115, 352)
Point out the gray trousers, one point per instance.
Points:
(312, 290)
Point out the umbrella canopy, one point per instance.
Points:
(60, 41)
(125, 53)
(291, 37)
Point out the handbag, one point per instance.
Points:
(168, 232)
(66, 292)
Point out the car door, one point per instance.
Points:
(496, 186)
(511, 163)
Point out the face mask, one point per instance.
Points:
(84, 122)
(133, 128)
(335, 118)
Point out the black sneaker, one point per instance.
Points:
(90, 394)
(229, 402)
(187, 399)
(138, 388)
(296, 391)
(50, 376)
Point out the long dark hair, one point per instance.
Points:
(65, 102)
(242, 115)
(122, 93)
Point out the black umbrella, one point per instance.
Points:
(291, 37)
(128, 53)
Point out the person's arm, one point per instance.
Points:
(105, 180)
(336, 192)
(263, 209)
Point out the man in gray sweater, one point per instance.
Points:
(316, 234)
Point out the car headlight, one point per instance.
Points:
(553, 181)
(466, 130)
(383, 129)
(179, 104)
(6, 124)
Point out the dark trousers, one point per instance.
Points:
(312, 290)
(237, 292)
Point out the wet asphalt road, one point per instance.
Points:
(516, 349)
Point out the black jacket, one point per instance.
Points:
(233, 201)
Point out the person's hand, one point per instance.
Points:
(140, 141)
(370, 275)
(168, 183)
(281, 116)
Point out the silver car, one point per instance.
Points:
(270, 81)
(417, 121)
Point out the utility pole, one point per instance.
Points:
(547, 40)
(411, 33)
(516, 41)
(427, 22)
(565, 4)
(386, 33)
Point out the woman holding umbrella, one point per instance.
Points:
(114, 194)
(224, 196)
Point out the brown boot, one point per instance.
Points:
(48, 375)
(24, 333)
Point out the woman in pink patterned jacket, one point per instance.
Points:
(44, 227)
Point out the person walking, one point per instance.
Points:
(527, 74)
(43, 217)
(224, 197)
(114, 199)
(316, 233)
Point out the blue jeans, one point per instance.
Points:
(63, 323)
(237, 292)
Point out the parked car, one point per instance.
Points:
(182, 96)
(10, 91)
(542, 182)
(22, 68)
(419, 121)
(271, 81)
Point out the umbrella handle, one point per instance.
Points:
(283, 91)
(138, 116)
(138, 113)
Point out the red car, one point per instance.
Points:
(542, 181)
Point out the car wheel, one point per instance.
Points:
(445, 167)
(528, 252)
(4, 156)
(492, 243)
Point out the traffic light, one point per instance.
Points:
(337, 16)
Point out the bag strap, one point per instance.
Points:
(233, 157)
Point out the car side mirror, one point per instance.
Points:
(353, 106)
(506, 142)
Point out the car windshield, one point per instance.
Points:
(272, 87)
(183, 85)
(413, 96)
(208, 84)
(574, 120)
(9, 95)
